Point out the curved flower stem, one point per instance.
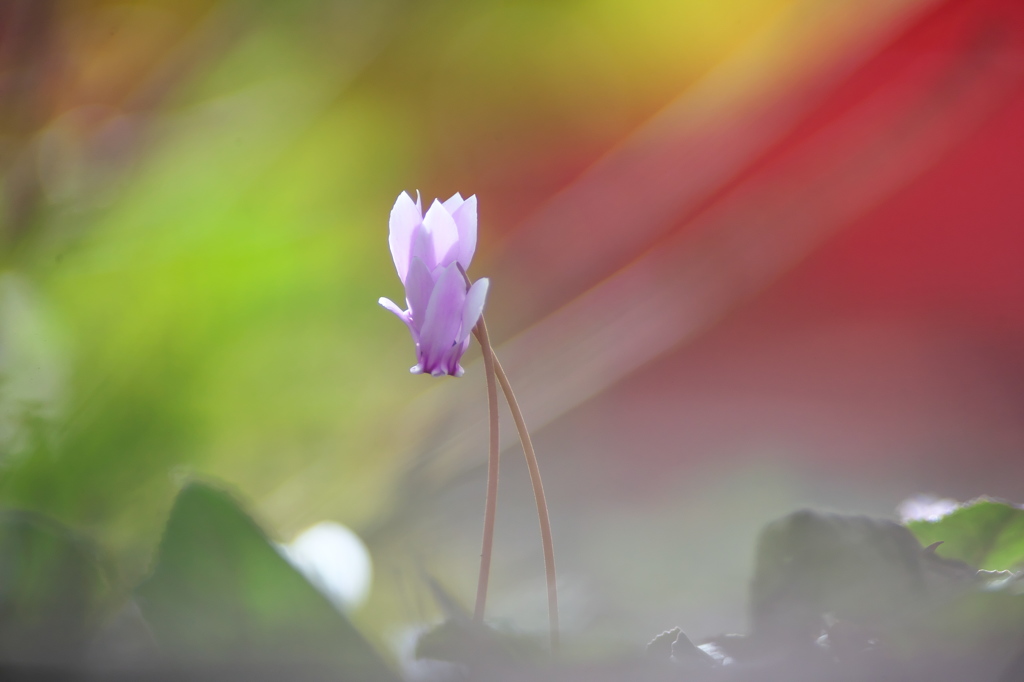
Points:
(538, 493)
(492, 367)
(493, 455)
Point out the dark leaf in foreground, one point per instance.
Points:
(221, 594)
(52, 591)
(869, 572)
(864, 591)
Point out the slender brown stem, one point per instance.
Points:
(538, 493)
(493, 454)
(492, 367)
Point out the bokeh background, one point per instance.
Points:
(745, 256)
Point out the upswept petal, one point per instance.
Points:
(422, 247)
(418, 287)
(405, 216)
(465, 222)
(443, 233)
(473, 307)
(443, 319)
(453, 203)
(388, 304)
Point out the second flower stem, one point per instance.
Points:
(538, 493)
(494, 369)
(493, 456)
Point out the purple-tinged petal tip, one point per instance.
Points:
(453, 203)
(403, 315)
(444, 233)
(473, 307)
(388, 304)
(443, 319)
(405, 217)
(466, 222)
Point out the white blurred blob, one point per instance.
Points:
(925, 508)
(335, 561)
(32, 365)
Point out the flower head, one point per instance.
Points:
(428, 251)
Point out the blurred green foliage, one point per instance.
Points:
(54, 593)
(218, 311)
(986, 534)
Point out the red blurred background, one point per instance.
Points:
(808, 292)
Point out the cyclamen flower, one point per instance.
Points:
(428, 250)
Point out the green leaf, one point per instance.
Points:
(53, 591)
(986, 534)
(221, 594)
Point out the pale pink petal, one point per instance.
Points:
(458, 350)
(388, 304)
(422, 247)
(418, 287)
(443, 319)
(453, 203)
(465, 222)
(473, 307)
(405, 216)
(443, 233)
